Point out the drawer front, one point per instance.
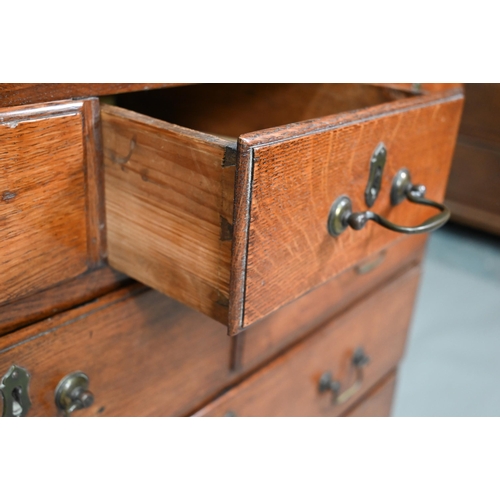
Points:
(71, 293)
(144, 355)
(290, 386)
(293, 175)
(378, 403)
(170, 190)
(288, 324)
(51, 203)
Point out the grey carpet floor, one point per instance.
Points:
(452, 361)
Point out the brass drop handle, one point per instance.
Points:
(341, 215)
(72, 393)
(327, 383)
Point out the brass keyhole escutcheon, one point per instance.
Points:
(14, 389)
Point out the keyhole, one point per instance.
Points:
(17, 409)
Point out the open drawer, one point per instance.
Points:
(236, 223)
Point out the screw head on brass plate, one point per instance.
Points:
(400, 186)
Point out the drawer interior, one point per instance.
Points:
(231, 110)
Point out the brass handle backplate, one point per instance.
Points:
(341, 215)
(14, 391)
(72, 393)
(328, 383)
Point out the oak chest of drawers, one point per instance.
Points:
(264, 226)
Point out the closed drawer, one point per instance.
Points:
(378, 403)
(51, 199)
(144, 355)
(266, 338)
(171, 188)
(290, 386)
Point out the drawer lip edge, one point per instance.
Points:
(331, 122)
(164, 126)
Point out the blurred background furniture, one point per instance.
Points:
(473, 193)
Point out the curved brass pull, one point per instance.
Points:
(341, 214)
(327, 383)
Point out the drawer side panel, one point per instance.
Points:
(169, 201)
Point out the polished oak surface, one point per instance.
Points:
(268, 337)
(225, 216)
(289, 385)
(14, 94)
(378, 403)
(144, 354)
(51, 200)
(170, 190)
(59, 298)
(297, 175)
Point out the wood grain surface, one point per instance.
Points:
(14, 94)
(289, 385)
(169, 203)
(229, 109)
(52, 223)
(378, 403)
(170, 194)
(269, 336)
(144, 353)
(59, 298)
(94, 183)
(299, 171)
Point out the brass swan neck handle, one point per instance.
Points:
(341, 215)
